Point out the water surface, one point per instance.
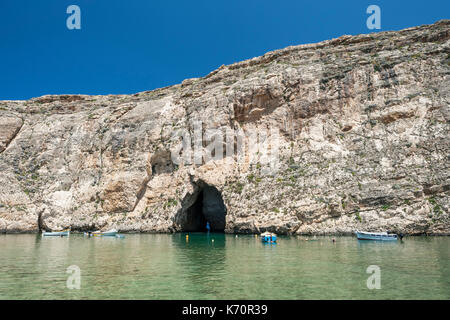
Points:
(219, 266)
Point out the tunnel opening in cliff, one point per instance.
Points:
(207, 207)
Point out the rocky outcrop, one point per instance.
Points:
(363, 143)
(9, 127)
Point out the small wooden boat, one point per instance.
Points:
(109, 233)
(268, 237)
(382, 236)
(56, 233)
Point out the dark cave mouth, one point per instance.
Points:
(208, 207)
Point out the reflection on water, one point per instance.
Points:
(219, 266)
(201, 258)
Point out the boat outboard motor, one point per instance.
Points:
(400, 236)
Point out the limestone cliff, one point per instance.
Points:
(363, 144)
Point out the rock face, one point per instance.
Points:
(363, 143)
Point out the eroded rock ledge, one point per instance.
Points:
(364, 123)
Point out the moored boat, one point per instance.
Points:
(268, 237)
(62, 233)
(382, 236)
(109, 233)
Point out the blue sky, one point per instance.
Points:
(128, 46)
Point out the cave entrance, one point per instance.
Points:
(208, 207)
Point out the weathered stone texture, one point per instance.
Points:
(364, 124)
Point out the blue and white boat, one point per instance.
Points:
(382, 236)
(109, 233)
(268, 237)
(63, 233)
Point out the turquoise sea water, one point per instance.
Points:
(219, 266)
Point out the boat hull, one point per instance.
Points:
(110, 233)
(269, 239)
(56, 234)
(376, 237)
